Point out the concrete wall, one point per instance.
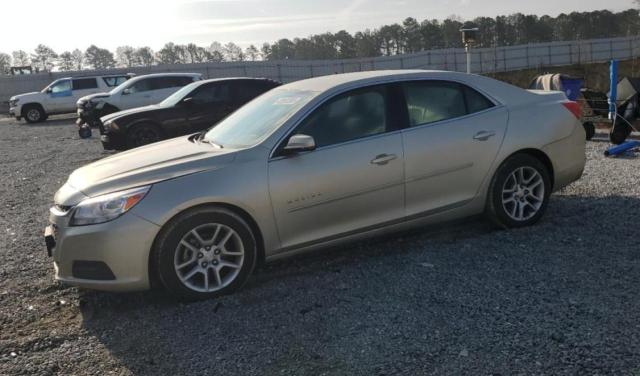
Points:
(485, 61)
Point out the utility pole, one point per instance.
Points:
(469, 38)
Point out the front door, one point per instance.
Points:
(59, 95)
(352, 182)
(453, 138)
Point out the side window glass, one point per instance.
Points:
(61, 86)
(217, 93)
(476, 102)
(158, 83)
(433, 101)
(114, 81)
(140, 86)
(84, 83)
(348, 117)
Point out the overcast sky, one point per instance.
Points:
(68, 24)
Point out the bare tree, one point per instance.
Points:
(125, 56)
(78, 59)
(99, 58)
(5, 63)
(144, 56)
(252, 53)
(197, 54)
(44, 57)
(21, 58)
(233, 52)
(170, 54)
(66, 61)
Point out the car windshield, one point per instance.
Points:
(258, 118)
(176, 97)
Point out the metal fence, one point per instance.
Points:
(484, 60)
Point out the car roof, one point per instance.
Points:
(99, 76)
(263, 79)
(324, 83)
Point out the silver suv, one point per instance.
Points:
(310, 164)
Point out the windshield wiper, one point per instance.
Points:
(210, 143)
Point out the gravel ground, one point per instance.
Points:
(557, 298)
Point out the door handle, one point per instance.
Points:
(383, 159)
(484, 135)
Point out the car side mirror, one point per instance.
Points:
(299, 143)
(49, 90)
(126, 91)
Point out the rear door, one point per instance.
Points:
(210, 103)
(163, 87)
(82, 87)
(453, 137)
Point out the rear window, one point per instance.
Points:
(246, 90)
(85, 83)
(476, 102)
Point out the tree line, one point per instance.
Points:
(407, 37)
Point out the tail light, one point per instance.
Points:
(574, 108)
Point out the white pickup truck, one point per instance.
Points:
(61, 96)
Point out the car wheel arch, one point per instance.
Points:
(32, 104)
(154, 277)
(539, 155)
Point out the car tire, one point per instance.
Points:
(589, 129)
(519, 192)
(204, 253)
(33, 113)
(143, 134)
(619, 133)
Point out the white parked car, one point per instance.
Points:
(61, 96)
(137, 92)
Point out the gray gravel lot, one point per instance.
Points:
(557, 298)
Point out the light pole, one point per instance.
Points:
(469, 37)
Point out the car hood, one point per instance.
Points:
(25, 95)
(90, 97)
(142, 166)
(132, 111)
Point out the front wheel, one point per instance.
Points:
(34, 114)
(205, 253)
(519, 192)
(143, 134)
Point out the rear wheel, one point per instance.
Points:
(619, 133)
(519, 192)
(143, 134)
(205, 253)
(33, 113)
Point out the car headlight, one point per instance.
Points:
(111, 125)
(13, 102)
(107, 207)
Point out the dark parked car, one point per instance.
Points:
(193, 108)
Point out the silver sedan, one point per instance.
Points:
(308, 165)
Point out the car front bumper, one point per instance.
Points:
(112, 256)
(15, 112)
(112, 141)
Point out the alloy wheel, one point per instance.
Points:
(209, 257)
(33, 115)
(523, 193)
